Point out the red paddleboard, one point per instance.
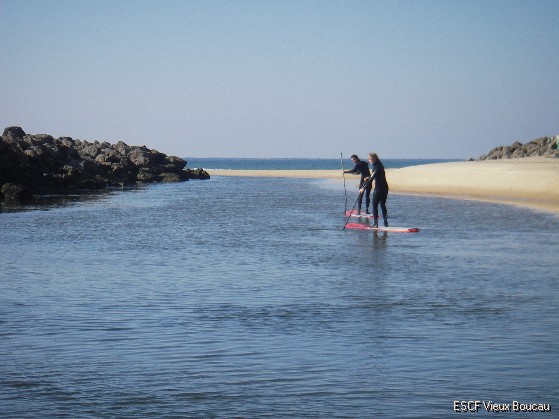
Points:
(359, 226)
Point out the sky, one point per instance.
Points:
(447, 79)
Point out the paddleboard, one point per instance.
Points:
(359, 226)
(353, 213)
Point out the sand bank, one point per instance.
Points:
(529, 182)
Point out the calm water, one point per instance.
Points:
(243, 297)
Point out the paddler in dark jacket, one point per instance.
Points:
(362, 168)
(381, 188)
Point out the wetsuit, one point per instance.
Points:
(381, 191)
(362, 168)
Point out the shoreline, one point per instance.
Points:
(531, 182)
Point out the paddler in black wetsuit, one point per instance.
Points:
(362, 168)
(381, 189)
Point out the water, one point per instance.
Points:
(243, 297)
(295, 164)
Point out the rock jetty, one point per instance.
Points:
(540, 147)
(38, 164)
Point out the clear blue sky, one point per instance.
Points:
(407, 79)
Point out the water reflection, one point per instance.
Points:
(50, 201)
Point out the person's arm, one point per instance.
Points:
(352, 171)
(366, 182)
(374, 173)
(369, 180)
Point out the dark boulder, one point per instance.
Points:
(544, 146)
(14, 132)
(170, 177)
(199, 174)
(41, 163)
(15, 193)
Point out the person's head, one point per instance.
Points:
(354, 158)
(373, 157)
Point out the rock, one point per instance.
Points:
(200, 174)
(121, 148)
(176, 162)
(169, 177)
(16, 193)
(67, 141)
(14, 132)
(518, 153)
(516, 145)
(139, 158)
(108, 156)
(543, 146)
(144, 175)
(43, 164)
(90, 151)
(159, 158)
(530, 148)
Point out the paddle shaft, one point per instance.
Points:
(349, 216)
(343, 174)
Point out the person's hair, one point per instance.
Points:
(373, 156)
(354, 156)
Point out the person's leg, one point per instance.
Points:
(360, 202)
(367, 199)
(375, 208)
(383, 208)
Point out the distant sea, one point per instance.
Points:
(219, 163)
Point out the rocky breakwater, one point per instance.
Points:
(540, 147)
(38, 164)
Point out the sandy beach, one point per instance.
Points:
(528, 182)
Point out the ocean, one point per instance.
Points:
(244, 297)
(218, 163)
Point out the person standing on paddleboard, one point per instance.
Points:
(362, 168)
(381, 189)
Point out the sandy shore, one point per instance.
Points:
(528, 182)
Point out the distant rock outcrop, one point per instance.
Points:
(544, 146)
(31, 164)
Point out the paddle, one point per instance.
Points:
(351, 212)
(343, 173)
